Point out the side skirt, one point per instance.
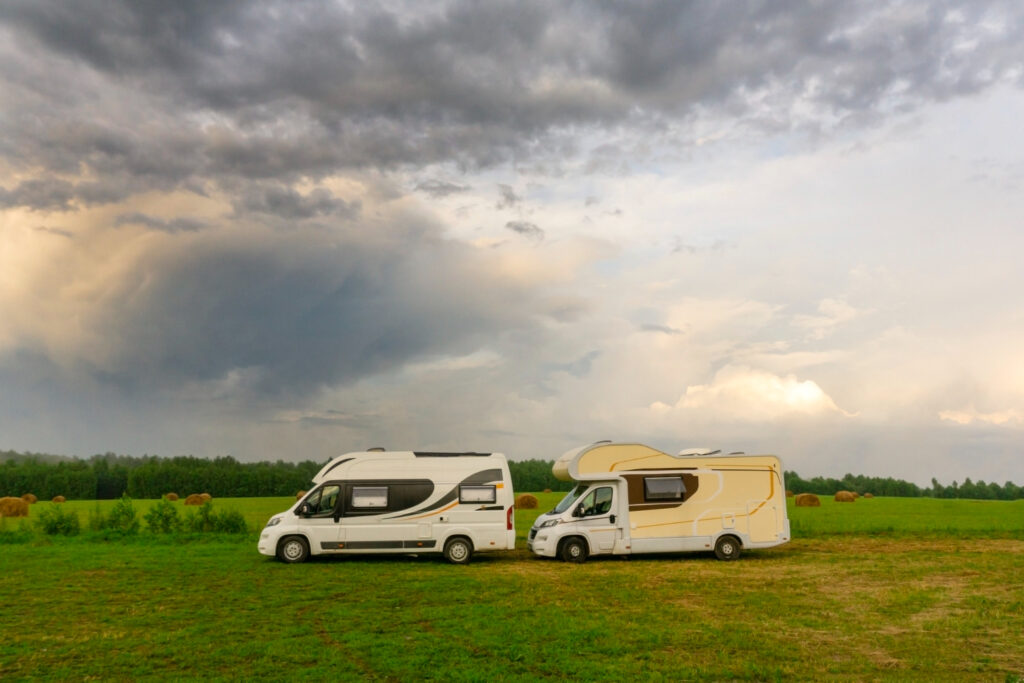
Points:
(379, 545)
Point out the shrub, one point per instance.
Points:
(171, 496)
(845, 497)
(123, 517)
(97, 520)
(59, 499)
(526, 501)
(13, 507)
(56, 521)
(194, 499)
(163, 518)
(807, 500)
(30, 498)
(205, 519)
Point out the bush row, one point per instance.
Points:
(123, 520)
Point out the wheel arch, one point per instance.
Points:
(568, 537)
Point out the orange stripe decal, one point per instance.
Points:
(435, 512)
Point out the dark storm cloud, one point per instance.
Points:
(271, 312)
(507, 197)
(53, 195)
(526, 229)
(440, 188)
(300, 88)
(284, 202)
(173, 225)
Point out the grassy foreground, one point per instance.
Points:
(868, 602)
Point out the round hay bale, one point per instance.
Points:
(547, 490)
(789, 494)
(845, 497)
(194, 499)
(171, 497)
(59, 499)
(299, 494)
(13, 507)
(206, 497)
(869, 495)
(807, 500)
(526, 501)
(30, 498)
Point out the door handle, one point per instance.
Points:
(611, 519)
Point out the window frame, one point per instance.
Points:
(664, 496)
(358, 489)
(491, 488)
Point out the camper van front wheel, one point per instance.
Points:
(574, 550)
(728, 548)
(458, 550)
(293, 549)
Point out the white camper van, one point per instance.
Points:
(399, 502)
(631, 499)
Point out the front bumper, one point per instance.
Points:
(541, 542)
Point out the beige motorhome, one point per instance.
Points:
(630, 498)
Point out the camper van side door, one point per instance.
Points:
(596, 514)
(321, 510)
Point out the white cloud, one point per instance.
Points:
(832, 314)
(749, 395)
(1009, 417)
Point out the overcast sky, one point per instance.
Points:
(289, 230)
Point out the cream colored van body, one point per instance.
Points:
(632, 498)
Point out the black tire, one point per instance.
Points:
(728, 548)
(293, 549)
(574, 550)
(458, 550)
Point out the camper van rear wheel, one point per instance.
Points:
(574, 550)
(728, 548)
(293, 549)
(458, 550)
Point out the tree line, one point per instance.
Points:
(109, 476)
(897, 487)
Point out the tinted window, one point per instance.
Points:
(664, 488)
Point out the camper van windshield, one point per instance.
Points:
(569, 499)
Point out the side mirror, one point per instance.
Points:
(578, 511)
(305, 510)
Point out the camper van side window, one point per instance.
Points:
(370, 497)
(322, 502)
(664, 488)
(478, 494)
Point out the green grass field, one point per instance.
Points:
(881, 589)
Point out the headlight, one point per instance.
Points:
(550, 522)
(274, 521)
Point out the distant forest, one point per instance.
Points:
(109, 476)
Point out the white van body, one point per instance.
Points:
(399, 502)
(630, 499)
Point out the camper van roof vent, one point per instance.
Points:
(737, 453)
(422, 454)
(699, 451)
(376, 449)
